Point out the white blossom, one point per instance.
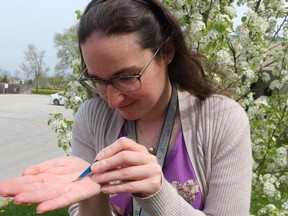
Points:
(198, 25)
(249, 73)
(267, 209)
(276, 84)
(212, 35)
(265, 77)
(224, 58)
(263, 100)
(281, 152)
(76, 62)
(231, 11)
(285, 205)
(281, 162)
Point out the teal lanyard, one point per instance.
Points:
(163, 143)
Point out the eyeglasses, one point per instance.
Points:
(123, 82)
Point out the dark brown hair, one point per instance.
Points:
(154, 23)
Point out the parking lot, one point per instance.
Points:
(25, 137)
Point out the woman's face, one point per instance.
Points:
(107, 57)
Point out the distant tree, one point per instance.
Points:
(57, 81)
(1, 74)
(17, 74)
(34, 64)
(67, 50)
(4, 79)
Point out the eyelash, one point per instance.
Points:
(122, 76)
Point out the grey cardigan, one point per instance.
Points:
(217, 137)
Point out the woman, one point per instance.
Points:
(165, 143)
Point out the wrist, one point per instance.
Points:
(97, 205)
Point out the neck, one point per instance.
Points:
(149, 131)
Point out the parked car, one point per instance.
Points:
(57, 98)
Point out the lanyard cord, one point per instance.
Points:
(163, 143)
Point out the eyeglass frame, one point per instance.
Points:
(138, 76)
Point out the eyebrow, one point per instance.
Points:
(117, 73)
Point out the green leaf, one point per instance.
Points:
(244, 18)
(210, 25)
(78, 13)
(211, 45)
(220, 27)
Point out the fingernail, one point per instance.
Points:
(95, 166)
(16, 203)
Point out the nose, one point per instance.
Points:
(113, 96)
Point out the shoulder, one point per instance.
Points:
(219, 120)
(213, 107)
(93, 108)
(185, 98)
(92, 105)
(96, 113)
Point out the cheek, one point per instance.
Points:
(156, 81)
(158, 74)
(149, 93)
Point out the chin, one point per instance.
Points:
(129, 116)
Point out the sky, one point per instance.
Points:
(35, 22)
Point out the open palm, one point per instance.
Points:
(51, 185)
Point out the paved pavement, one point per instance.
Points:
(25, 137)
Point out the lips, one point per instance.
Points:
(126, 106)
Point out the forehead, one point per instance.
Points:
(105, 55)
(108, 45)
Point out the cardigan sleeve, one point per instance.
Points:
(95, 126)
(223, 141)
(83, 134)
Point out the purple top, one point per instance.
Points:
(177, 170)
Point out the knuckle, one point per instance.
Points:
(104, 165)
(158, 169)
(124, 142)
(155, 184)
(124, 155)
(129, 188)
(154, 159)
(125, 173)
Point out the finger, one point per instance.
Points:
(120, 145)
(23, 184)
(29, 183)
(44, 178)
(144, 188)
(84, 187)
(71, 196)
(20, 180)
(123, 159)
(42, 194)
(39, 168)
(14, 186)
(12, 190)
(57, 164)
(132, 173)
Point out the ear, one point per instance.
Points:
(169, 50)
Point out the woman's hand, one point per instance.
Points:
(51, 185)
(130, 168)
